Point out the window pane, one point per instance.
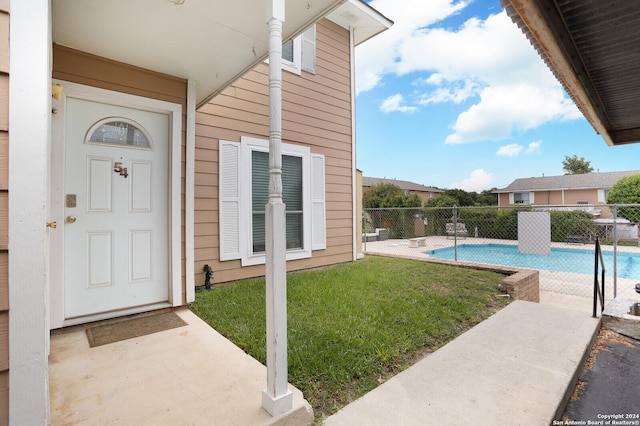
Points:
(292, 182)
(294, 230)
(287, 51)
(292, 197)
(259, 180)
(118, 132)
(521, 198)
(258, 233)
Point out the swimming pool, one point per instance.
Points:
(561, 259)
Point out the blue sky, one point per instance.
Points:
(454, 96)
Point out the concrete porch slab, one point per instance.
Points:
(517, 367)
(189, 375)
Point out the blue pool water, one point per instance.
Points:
(561, 259)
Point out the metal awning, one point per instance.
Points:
(593, 48)
(210, 41)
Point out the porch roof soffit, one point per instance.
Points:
(213, 42)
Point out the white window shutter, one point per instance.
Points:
(318, 205)
(309, 50)
(511, 200)
(531, 199)
(229, 196)
(601, 198)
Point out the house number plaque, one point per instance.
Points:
(70, 200)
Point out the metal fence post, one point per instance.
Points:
(455, 232)
(615, 251)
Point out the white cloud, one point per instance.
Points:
(510, 150)
(514, 149)
(488, 62)
(392, 104)
(478, 181)
(534, 147)
(507, 109)
(456, 92)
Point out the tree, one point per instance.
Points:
(487, 198)
(462, 197)
(575, 166)
(441, 201)
(626, 191)
(388, 195)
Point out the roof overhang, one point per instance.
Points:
(592, 48)
(212, 42)
(365, 21)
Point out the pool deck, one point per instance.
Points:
(553, 284)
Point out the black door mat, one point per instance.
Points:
(140, 326)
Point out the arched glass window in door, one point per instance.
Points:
(119, 131)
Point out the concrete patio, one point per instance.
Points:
(189, 375)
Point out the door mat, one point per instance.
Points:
(135, 327)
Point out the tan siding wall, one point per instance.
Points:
(83, 68)
(547, 197)
(4, 212)
(316, 113)
(575, 195)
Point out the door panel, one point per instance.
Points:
(117, 249)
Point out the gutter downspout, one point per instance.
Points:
(355, 189)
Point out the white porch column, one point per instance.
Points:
(276, 398)
(29, 141)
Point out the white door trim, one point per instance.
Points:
(57, 193)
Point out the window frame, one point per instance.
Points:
(295, 66)
(521, 193)
(247, 146)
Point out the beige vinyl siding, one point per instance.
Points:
(84, 68)
(316, 113)
(4, 212)
(575, 195)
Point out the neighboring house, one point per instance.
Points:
(425, 193)
(589, 189)
(126, 130)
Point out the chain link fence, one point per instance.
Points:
(559, 241)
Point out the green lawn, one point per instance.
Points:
(352, 326)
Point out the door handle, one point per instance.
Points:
(70, 219)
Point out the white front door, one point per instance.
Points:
(116, 204)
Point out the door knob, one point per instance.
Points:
(52, 225)
(70, 219)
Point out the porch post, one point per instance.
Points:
(276, 398)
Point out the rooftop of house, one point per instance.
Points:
(402, 184)
(575, 181)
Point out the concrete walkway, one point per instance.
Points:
(518, 367)
(188, 375)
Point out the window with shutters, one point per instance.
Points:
(244, 182)
(299, 54)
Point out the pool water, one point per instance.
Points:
(561, 259)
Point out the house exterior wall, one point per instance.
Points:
(571, 197)
(424, 196)
(316, 113)
(581, 195)
(4, 212)
(83, 68)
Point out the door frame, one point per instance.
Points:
(56, 195)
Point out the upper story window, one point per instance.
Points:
(299, 54)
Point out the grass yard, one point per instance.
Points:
(352, 326)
